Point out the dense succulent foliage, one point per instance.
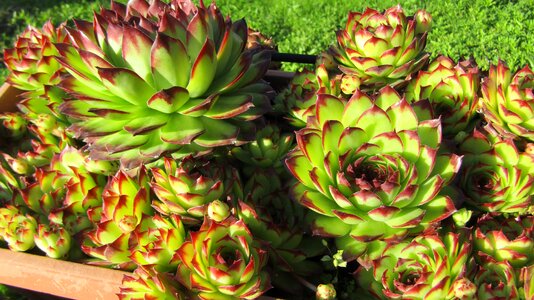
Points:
(145, 141)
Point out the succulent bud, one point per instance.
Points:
(14, 123)
(349, 84)
(423, 21)
(325, 292)
(462, 216)
(54, 240)
(464, 289)
(218, 211)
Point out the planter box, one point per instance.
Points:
(57, 277)
(61, 278)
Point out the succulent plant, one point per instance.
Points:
(257, 40)
(31, 62)
(71, 160)
(123, 75)
(125, 201)
(349, 83)
(371, 170)
(269, 190)
(54, 240)
(65, 190)
(14, 125)
(158, 243)
(147, 283)
(17, 229)
(297, 101)
(507, 101)
(428, 267)
(382, 49)
(47, 139)
(46, 193)
(496, 279)
(505, 239)
(220, 261)
(496, 176)
(272, 226)
(6, 214)
(288, 246)
(267, 151)
(450, 90)
(187, 189)
(35, 70)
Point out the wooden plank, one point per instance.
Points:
(8, 98)
(57, 277)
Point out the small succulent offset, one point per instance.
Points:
(371, 170)
(54, 240)
(266, 151)
(220, 261)
(382, 49)
(14, 126)
(450, 91)
(132, 104)
(497, 280)
(146, 283)
(297, 101)
(31, 61)
(126, 200)
(507, 101)
(35, 70)
(187, 188)
(496, 176)
(505, 239)
(17, 229)
(428, 267)
(158, 243)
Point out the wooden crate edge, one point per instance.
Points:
(57, 277)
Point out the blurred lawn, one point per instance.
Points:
(484, 29)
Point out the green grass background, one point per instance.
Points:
(485, 29)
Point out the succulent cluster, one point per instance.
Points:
(147, 140)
